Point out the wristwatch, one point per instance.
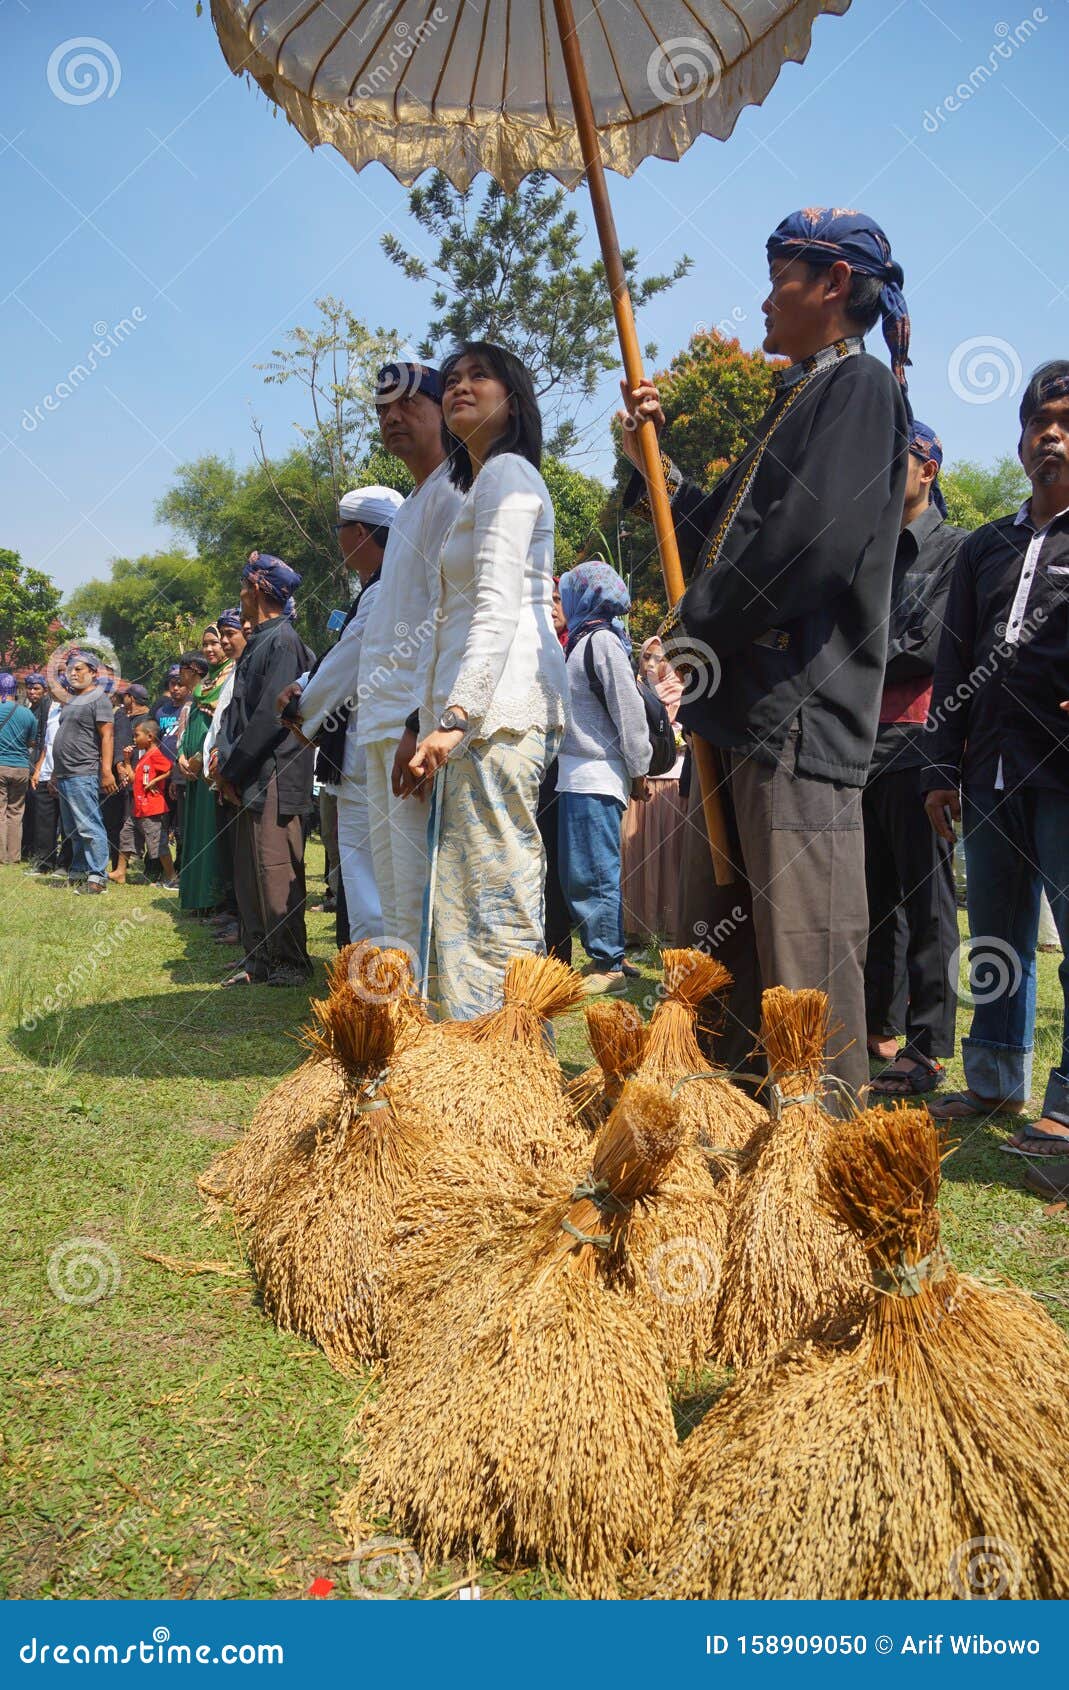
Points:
(450, 720)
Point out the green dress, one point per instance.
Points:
(199, 881)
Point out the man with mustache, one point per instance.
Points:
(998, 762)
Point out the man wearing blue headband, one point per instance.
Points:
(791, 558)
(909, 872)
(998, 761)
(268, 774)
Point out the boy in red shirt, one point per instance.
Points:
(151, 774)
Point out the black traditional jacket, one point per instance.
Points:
(253, 743)
(1003, 668)
(793, 557)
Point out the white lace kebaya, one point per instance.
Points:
(495, 654)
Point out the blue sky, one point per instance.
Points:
(179, 202)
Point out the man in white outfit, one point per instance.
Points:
(397, 644)
(329, 700)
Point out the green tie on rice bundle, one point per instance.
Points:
(525, 1410)
(242, 1174)
(495, 1081)
(789, 1261)
(318, 1246)
(920, 1454)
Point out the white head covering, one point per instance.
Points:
(375, 507)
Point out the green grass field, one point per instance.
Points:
(165, 1440)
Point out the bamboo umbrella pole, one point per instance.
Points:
(705, 761)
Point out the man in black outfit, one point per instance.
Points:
(793, 555)
(907, 867)
(998, 762)
(267, 774)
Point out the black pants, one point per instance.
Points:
(796, 914)
(909, 874)
(49, 851)
(558, 922)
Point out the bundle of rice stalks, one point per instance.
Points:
(677, 1246)
(242, 1174)
(531, 1415)
(318, 1246)
(495, 1082)
(789, 1262)
(922, 1456)
(617, 1035)
(717, 1113)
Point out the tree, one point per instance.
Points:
(976, 494)
(578, 501)
(143, 593)
(226, 513)
(336, 361)
(29, 609)
(508, 270)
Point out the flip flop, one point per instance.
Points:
(241, 978)
(1037, 1137)
(1050, 1183)
(963, 1106)
(915, 1081)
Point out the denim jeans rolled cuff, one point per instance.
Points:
(1056, 1098)
(997, 1071)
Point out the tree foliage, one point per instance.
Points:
(977, 493)
(508, 270)
(29, 604)
(335, 361)
(142, 594)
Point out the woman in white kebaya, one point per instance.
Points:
(496, 696)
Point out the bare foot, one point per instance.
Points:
(886, 1049)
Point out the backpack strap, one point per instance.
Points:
(593, 679)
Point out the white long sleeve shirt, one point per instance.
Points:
(495, 653)
(217, 715)
(399, 635)
(334, 685)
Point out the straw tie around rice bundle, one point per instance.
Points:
(617, 1035)
(531, 1417)
(921, 1456)
(242, 1173)
(789, 1262)
(495, 1081)
(318, 1247)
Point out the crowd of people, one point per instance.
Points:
(497, 771)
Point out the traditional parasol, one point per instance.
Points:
(513, 86)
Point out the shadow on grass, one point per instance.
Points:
(211, 1035)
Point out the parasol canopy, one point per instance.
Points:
(465, 87)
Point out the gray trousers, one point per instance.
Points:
(269, 888)
(797, 915)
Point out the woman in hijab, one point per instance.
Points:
(602, 765)
(198, 874)
(652, 841)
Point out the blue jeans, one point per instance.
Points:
(1016, 844)
(588, 842)
(83, 825)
